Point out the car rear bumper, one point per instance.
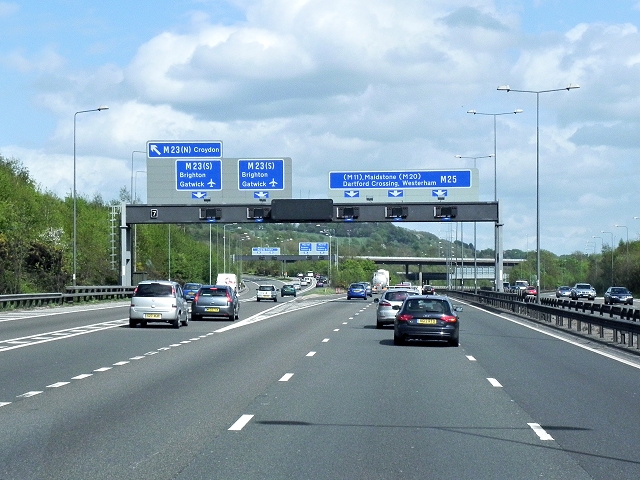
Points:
(447, 332)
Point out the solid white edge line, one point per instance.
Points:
(558, 337)
(241, 422)
(541, 432)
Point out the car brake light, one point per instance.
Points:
(449, 318)
(195, 299)
(405, 317)
(228, 298)
(384, 304)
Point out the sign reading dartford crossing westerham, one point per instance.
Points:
(409, 185)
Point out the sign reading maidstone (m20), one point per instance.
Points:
(401, 179)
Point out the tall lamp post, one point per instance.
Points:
(475, 245)
(601, 242)
(627, 242)
(75, 231)
(133, 174)
(507, 88)
(611, 233)
(498, 226)
(224, 244)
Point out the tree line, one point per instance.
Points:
(36, 246)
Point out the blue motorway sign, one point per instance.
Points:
(313, 248)
(205, 149)
(198, 175)
(258, 174)
(400, 179)
(265, 251)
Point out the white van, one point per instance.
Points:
(229, 279)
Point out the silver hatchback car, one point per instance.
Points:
(389, 304)
(158, 301)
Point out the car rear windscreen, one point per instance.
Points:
(213, 292)
(154, 290)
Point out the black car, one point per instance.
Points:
(427, 317)
(618, 295)
(428, 290)
(215, 301)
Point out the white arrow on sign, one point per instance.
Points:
(438, 193)
(261, 194)
(154, 149)
(199, 194)
(352, 193)
(395, 193)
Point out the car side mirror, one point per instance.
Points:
(376, 300)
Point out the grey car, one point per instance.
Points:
(158, 301)
(583, 290)
(388, 305)
(215, 301)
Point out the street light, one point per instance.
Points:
(75, 234)
(601, 242)
(498, 226)
(627, 229)
(224, 245)
(475, 245)
(507, 88)
(132, 173)
(135, 229)
(611, 233)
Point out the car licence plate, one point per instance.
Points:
(212, 309)
(427, 321)
(152, 315)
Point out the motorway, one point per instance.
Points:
(308, 388)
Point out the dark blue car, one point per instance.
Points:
(357, 290)
(190, 290)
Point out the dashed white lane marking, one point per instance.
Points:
(58, 384)
(241, 422)
(82, 377)
(2, 404)
(29, 394)
(286, 377)
(103, 369)
(471, 358)
(494, 382)
(325, 340)
(118, 364)
(336, 329)
(311, 354)
(541, 432)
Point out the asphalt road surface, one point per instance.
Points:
(308, 388)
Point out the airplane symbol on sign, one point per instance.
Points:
(273, 182)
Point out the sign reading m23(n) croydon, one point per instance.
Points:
(407, 185)
(190, 149)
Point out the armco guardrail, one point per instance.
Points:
(71, 295)
(623, 323)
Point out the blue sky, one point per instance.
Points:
(336, 84)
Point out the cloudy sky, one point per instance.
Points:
(360, 85)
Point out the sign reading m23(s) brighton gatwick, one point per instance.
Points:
(401, 179)
(188, 149)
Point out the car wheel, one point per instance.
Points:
(379, 325)
(132, 323)
(185, 322)
(398, 340)
(275, 299)
(348, 298)
(257, 299)
(454, 342)
(176, 323)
